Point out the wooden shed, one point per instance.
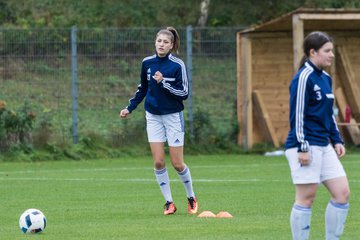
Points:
(267, 58)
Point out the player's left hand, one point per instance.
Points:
(340, 150)
(158, 76)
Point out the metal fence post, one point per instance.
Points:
(189, 73)
(74, 89)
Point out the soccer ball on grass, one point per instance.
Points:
(32, 221)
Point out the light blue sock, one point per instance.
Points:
(185, 178)
(335, 218)
(300, 219)
(162, 178)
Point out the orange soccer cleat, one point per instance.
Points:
(192, 205)
(169, 208)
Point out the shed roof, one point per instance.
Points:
(336, 19)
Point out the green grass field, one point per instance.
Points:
(119, 199)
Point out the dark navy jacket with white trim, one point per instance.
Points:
(312, 120)
(167, 96)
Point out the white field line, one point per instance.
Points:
(144, 180)
(131, 180)
(112, 169)
(234, 166)
(133, 168)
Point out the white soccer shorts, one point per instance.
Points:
(168, 127)
(324, 165)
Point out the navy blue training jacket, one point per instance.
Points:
(312, 121)
(167, 96)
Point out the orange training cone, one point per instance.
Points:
(207, 214)
(224, 215)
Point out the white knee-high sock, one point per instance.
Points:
(163, 180)
(185, 178)
(300, 219)
(335, 218)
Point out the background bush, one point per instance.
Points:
(15, 127)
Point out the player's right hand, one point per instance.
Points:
(124, 113)
(304, 158)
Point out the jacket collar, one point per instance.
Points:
(316, 69)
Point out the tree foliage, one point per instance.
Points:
(228, 13)
(98, 13)
(150, 13)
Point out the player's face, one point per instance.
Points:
(324, 56)
(163, 45)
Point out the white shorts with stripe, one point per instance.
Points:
(168, 127)
(324, 165)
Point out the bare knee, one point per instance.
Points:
(339, 189)
(342, 197)
(179, 166)
(306, 202)
(177, 158)
(159, 164)
(305, 194)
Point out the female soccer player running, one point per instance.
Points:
(164, 83)
(314, 145)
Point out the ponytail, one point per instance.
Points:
(302, 61)
(176, 39)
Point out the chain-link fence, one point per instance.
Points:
(77, 80)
